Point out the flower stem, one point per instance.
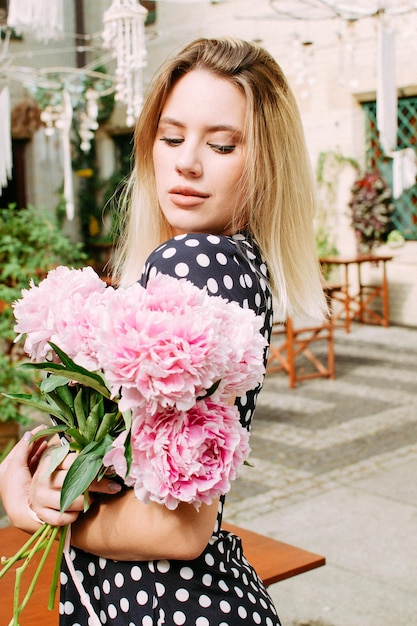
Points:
(23, 552)
(55, 577)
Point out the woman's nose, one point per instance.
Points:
(188, 162)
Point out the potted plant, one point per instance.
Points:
(371, 208)
(31, 244)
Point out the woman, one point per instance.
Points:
(222, 194)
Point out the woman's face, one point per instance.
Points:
(199, 154)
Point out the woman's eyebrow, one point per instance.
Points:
(209, 128)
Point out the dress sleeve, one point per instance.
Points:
(211, 261)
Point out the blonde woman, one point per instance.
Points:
(222, 195)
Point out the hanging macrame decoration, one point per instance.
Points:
(5, 139)
(124, 35)
(43, 18)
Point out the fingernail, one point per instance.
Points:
(113, 487)
(27, 436)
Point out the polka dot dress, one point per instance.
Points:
(220, 587)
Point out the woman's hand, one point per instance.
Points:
(16, 473)
(31, 493)
(46, 486)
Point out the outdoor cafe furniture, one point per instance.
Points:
(357, 301)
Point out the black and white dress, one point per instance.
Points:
(220, 587)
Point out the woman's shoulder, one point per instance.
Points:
(229, 266)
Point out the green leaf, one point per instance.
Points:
(84, 377)
(50, 383)
(83, 471)
(106, 424)
(48, 432)
(55, 399)
(80, 415)
(56, 456)
(29, 400)
(93, 420)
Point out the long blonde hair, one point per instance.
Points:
(278, 186)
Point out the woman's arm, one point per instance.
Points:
(124, 528)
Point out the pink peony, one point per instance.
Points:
(115, 458)
(186, 456)
(168, 344)
(54, 311)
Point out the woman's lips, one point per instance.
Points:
(186, 196)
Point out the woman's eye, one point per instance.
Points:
(171, 141)
(222, 149)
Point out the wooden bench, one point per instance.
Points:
(273, 560)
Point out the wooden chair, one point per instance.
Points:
(295, 341)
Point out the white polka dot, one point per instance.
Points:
(147, 621)
(207, 580)
(119, 580)
(251, 597)
(142, 597)
(180, 237)
(248, 280)
(242, 281)
(136, 573)
(213, 239)
(202, 621)
(102, 563)
(182, 594)
(169, 253)
(224, 586)
(204, 601)
(103, 617)
(68, 608)
(91, 568)
(153, 272)
(258, 299)
(225, 606)
(242, 612)
(228, 281)
(160, 589)
(106, 586)
(203, 260)
(163, 566)
(192, 243)
(179, 618)
(96, 592)
(112, 611)
(212, 285)
(186, 573)
(221, 258)
(63, 578)
(209, 560)
(182, 270)
(80, 575)
(256, 618)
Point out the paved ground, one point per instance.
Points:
(335, 473)
(335, 466)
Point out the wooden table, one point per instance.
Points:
(356, 305)
(272, 559)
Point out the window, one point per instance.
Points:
(405, 216)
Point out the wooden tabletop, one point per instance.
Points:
(274, 560)
(355, 258)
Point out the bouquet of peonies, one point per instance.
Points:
(139, 384)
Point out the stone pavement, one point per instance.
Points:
(335, 467)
